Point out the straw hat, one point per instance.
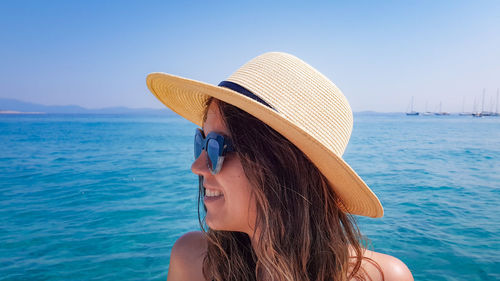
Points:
(294, 99)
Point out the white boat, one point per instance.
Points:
(411, 112)
(496, 113)
(426, 112)
(440, 112)
(463, 113)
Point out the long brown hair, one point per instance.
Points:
(303, 234)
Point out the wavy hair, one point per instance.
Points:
(303, 233)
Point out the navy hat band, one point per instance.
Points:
(242, 90)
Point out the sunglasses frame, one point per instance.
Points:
(225, 146)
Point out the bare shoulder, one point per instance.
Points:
(186, 258)
(393, 268)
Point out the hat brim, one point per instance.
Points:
(187, 98)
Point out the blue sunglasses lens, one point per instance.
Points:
(198, 144)
(213, 153)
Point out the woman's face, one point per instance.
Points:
(229, 207)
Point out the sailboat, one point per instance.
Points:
(491, 113)
(482, 112)
(440, 112)
(476, 113)
(426, 112)
(411, 109)
(496, 110)
(463, 113)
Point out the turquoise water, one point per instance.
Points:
(95, 197)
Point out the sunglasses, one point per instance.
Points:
(216, 147)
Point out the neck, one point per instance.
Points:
(254, 239)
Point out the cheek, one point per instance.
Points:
(239, 195)
(232, 173)
(242, 207)
(238, 188)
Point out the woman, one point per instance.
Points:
(278, 197)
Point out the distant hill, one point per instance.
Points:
(369, 112)
(21, 106)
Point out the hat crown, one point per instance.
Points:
(300, 94)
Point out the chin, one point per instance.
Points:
(212, 223)
(215, 224)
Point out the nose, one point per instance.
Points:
(200, 166)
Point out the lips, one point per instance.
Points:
(212, 195)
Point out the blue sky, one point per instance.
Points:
(380, 53)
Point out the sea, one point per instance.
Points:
(104, 197)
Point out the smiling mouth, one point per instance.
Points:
(212, 195)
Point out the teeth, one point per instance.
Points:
(212, 193)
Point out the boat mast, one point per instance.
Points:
(482, 107)
(496, 110)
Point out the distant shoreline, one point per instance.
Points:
(19, 112)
